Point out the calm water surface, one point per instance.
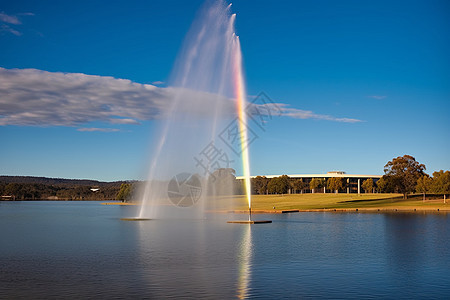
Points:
(82, 249)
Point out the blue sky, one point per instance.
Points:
(383, 63)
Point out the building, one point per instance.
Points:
(353, 181)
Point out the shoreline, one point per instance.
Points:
(119, 203)
(345, 210)
(380, 209)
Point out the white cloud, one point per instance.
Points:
(92, 129)
(9, 19)
(307, 114)
(38, 98)
(26, 14)
(158, 82)
(124, 121)
(377, 97)
(282, 109)
(30, 97)
(6, 28)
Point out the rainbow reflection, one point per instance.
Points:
(244, 261)
(242, 117)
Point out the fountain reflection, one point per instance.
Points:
(244, 262)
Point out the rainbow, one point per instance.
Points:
(242, 118)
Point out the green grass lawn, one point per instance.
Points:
(333, 201)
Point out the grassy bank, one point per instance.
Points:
(321, 202)
(277, 203)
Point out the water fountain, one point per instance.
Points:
(205, 124)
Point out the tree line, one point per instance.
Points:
(285, 184)
(41, 188)
(221, 182)
(403, 175)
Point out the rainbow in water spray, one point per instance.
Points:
(242, 117)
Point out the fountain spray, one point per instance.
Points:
(242, 117)
(243, 133)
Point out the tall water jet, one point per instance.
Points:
(242, 117)
(202, 130)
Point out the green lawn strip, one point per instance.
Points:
(322, 201)
(338, 201)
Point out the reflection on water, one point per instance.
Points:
(413, 244)
(82, 250)
(186, 258)
(195, 258)
(244, 259)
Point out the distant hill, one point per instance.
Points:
(42, 188)
(55, 181)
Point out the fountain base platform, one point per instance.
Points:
(250, 222)
(134, 219)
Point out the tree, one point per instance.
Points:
(15, 190)
(383, 186)
(272, 186)
(278, 185)
(367, 185)
(297, 185)
(223, 181)
(259, 184)
(402, 174)
(335, 183)
(441, 183)
(284, 183)
(82, 192)
(124, 192)
(316, 183)
(424, 185)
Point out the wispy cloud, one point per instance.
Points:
(38, 98)
(26, 14)
(124, 121)
(283, 109)
(8, 29)
(377, 97)
(158, 82)
(30, 97)
(306, 114)
(93, 129)
(8, 21)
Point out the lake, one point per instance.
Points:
(83, 249)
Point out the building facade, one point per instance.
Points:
(352, 181)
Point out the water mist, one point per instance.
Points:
(207, 93)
